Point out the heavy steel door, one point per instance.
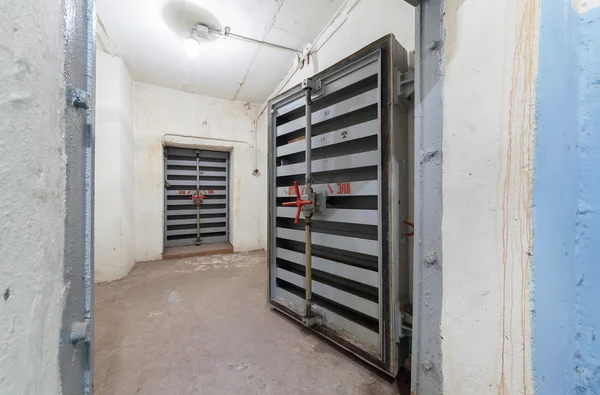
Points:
(196, 197)
(359, 169)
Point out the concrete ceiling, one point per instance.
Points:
(149, 37)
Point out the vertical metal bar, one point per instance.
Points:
(89, 192)
(165, 182)
(427, 373)
(309, 192)
(198, 197)
(380, 210)
(308, 135)
(227, 164)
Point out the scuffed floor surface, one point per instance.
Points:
(202, 326)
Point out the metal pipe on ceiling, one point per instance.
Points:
(225, 33)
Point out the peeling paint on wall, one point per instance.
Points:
(584, 6)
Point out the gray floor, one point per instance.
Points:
(202, 326)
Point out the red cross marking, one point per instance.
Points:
(197, 197)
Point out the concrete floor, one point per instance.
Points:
(201, 325)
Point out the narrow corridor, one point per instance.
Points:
(202, 326)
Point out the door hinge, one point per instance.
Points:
(80, 99)
(80, 332)
(405, 85)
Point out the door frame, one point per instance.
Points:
(203, 144)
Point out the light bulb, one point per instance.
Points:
(191, 46)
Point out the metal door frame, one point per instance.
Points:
(77, 330)
(290, 98)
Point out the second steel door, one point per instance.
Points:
(196, 197)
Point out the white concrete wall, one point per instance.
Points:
(490, 63)
(361, 23)
(32, 195)
(198, 122)
(114, 189)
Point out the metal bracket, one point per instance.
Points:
(405, 85)
(309, 84)
(320, 203)
(316, 87)
(80, 332)
(312, 320)
(80, 99)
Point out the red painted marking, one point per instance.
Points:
(211, 191)
(290, 190)
(330, 188)
(182, 193)
(303, 188)
(197, 197)
(412, 226)
(344, 188)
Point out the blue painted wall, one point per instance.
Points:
(587, 237)
(566, 203)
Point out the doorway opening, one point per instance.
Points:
(196, 210)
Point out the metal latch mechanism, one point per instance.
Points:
(305, 205)
(405, 85)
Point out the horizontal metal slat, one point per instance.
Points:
(192, 221)
(192, 173)
(186, 183)
(346, 77)
(182, 202)
(339, 269)
(296, 304)
(351, 75)
(364, 217)
(354, 132)
(181, 232)
(179, 162)
(186, 202)
(193, 212)
(213, 229)
(347, 106)
(213, 155)
(336, 295)
(189, 192)
(175, 162)
(355, 188)
(192, 231)
(352, 244)
(363, 159)
(211, 202)
(180, 152)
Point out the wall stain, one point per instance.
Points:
(517, 190)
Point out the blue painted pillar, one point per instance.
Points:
(566, 203)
